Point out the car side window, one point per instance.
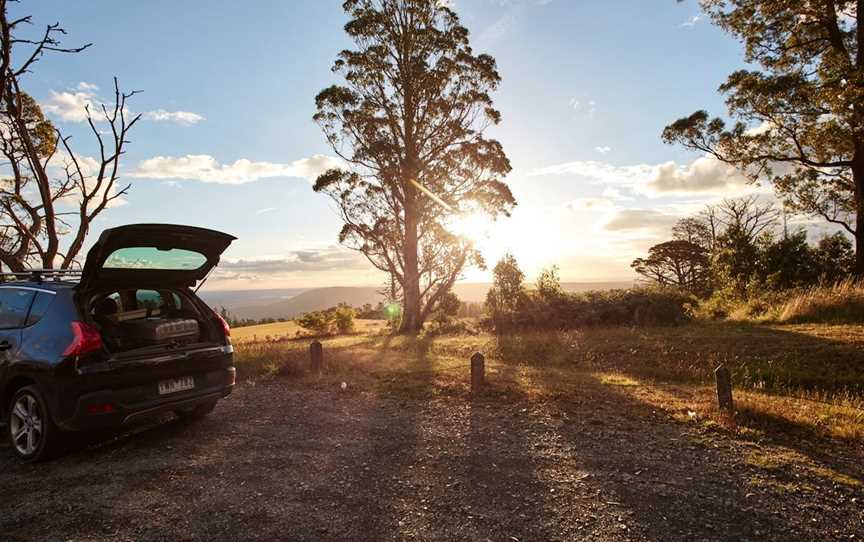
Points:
(149, 299)
(14, 304)
(39, 307)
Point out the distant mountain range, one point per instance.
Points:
(292, 302)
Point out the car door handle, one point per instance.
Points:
(5, 345)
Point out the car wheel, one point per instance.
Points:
(195, 413)
(32, 433)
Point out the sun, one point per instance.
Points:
(473, 226)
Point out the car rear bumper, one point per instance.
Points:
(111, 408)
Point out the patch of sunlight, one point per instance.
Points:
(777, 459)
(836, 477)
(616, 379)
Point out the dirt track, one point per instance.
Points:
(290, 461)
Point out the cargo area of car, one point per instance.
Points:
(141, 321)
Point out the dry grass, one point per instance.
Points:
(278, 331)
(842, 303)
(801, 382)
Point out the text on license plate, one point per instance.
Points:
(176, 384)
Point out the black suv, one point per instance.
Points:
(130, 339)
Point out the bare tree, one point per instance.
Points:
(35, 195)
(745, 216)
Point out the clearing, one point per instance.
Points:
(607, 434)
(280, 331)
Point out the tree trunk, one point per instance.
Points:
(858, 179)
(411, 321)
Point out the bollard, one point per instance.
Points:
(723, 377)
(478, 368)
(316, 356)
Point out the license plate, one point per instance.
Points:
(176, 385)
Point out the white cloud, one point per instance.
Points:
(650, 221)
(705, 175)
(589, 204)
(497, 30)
(763, 128)
(692, 21)
(70, 106)
(613, 193)
(265, 210)
(603, 149)
(584, 107)
(329, 258)
(185, 118)
(602, 172)
(89, 169)
(205, 168)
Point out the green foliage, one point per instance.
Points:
(549, 283)
(344, 316)
(635, 306)
(797, 108)
(338, 319)
(835, 258)
(506, 293)
(447, 308)
(410, 119)
(318, 322)
(679, 263)
(749, 270)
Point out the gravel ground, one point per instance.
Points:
(290, 460)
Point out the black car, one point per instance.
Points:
(129, 340)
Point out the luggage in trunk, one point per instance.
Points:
(155, 331)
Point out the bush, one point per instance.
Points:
(344, 317)
(318, 322)
(634, 306)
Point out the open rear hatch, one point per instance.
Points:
(166, 254)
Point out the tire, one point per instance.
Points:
(33, 435)
(195, 413)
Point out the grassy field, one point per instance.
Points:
(606, 434)
(290, 330)
(802, 380)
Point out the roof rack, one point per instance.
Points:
(38, 275)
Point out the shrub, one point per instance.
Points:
(344, 318)
(446, 308)
(634, 306)
(318, 322)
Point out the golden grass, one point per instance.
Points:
(290, 330)
(803, 382)
(843, 302)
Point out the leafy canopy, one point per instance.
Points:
(799, 112)
(409, 122)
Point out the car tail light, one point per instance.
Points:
(225, 327)
(101, 408)
(86, 339)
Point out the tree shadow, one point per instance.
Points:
(428, 462)
(665, 481)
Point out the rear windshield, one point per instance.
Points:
(175, 259)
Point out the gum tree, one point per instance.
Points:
(409, 121)
(799, 112)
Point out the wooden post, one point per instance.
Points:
(478, 368)
(316, 355)
(723, 377)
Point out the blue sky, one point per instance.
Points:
(587, 88)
